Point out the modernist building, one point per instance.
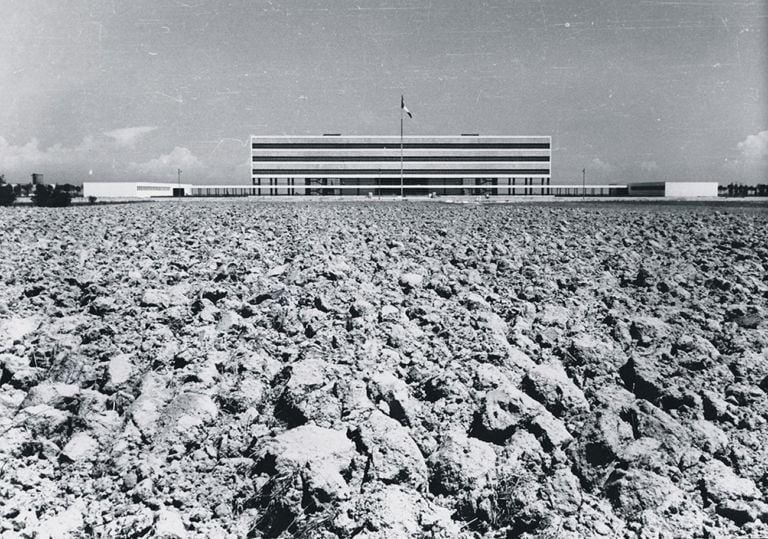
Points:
(672, 189)
(354, 165)
(360, 165)
(134, 189)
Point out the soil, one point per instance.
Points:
(383, 370)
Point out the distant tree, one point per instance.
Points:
(42, 195)
(7, 193)
(22, 189)
(74, 190)
(49, 196)
(742, 190)
(739, 190)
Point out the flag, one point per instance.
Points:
(404, 108)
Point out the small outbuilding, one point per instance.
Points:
(134, 189)
(672, 189)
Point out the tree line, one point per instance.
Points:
(741, 190)
(44, 195)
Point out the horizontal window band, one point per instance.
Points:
(407, 152)
(457, 158)
(396, 145)
(385, 181)
(314, 187)
(437, 171)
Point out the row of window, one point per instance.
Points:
(309, 182)
(410, 171)
(396, 145)
(153, 188)
(406, 158)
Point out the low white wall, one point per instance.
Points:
(130, 189)
(110, 189)
(690, 189)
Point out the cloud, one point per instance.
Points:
(649, 166)
(754, 148)
(58, 162)
(99, 155)
(600, 166)
(751, 165)
(13, 157)
(128, 136)
(24, 157)
(165, 166)
(20, 157)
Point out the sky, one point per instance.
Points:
(630, 90)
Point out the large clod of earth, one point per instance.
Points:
(384, 370)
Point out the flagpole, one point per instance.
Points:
(401, 146)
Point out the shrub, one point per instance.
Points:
(7, 193)
(49, 196)
(74, 190)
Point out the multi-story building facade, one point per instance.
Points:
(359, 165)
